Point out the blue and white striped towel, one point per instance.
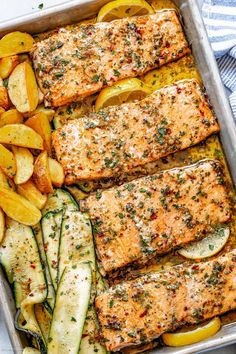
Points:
(220, 20)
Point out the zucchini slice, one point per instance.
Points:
(51, 229)
(30, 350)
(19, 256)
(86, 186)
(89, 343)
(51, 293)
(69, 316)
(44, 318)
(76, 241)
(58, 200)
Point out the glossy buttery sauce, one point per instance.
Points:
(184, 68)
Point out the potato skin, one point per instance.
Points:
(41, 175)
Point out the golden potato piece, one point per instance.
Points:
(31, 192)
(48, 111)
(6, 182)
(56, 172)
(12, 116)
(20, 135)
(2, 110)
(41, 173)
(15, 43)
(7, 162)
(39, 122)
(4, 100)
(23, 89)
(24, 164)
(18, 208)
(2, 225)
(7, 65)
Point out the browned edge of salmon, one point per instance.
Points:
(119, 138)
(153, 215)
(141, 310)
(75, 63)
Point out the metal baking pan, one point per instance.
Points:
(76, 10)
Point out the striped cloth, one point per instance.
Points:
(220, 20)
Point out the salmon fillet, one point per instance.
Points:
(143, 309)
(119, 138)
(155, 214)
(73, 64)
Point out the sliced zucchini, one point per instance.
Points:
(51, 229)
(37, 339)
(51, 293)
(44, 318)
(89, 343)
(19, 256)
(86, 186)
(30, 350)
(69, 316)
(76, 241)
(58, 200)
(76, 193)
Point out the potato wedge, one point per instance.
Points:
(20, 135)
(56, 172)
(7, 161)
(7, 65)
(15, 43)
(6, 182)
(41, 173)
(48, 111)
(12, 116)
(23, 89)
(31, 192)
(24, 164)
(39, 122)
(2, 225)
(4, 100)
(18, 208)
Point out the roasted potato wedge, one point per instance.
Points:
(48, 111)
(15, 43)
(6, 182)
(7, 65)
(4, 100)
(39, 122)
(31, 192)
(18, 208)
(23, 89)
(12, 116)
(2, 225)
(41, 173)
(56, 172)
(24, 164)
(7, 161)
(20, 135)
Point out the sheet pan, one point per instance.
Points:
(76, 10)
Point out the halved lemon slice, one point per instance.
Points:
(179, 339)
(126, 90)
(208, 246)
(123, 8)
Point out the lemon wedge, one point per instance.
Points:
(208, 246)
(126, 90)
(179, 339)
(123, 8)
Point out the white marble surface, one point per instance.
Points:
(10, 9)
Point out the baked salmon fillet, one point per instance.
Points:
(75, 63)
(143, 309)
(155, 214)
(119, 138)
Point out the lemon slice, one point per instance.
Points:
(126, 90)
(123, 8)
(179, 339)
(208, 246)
